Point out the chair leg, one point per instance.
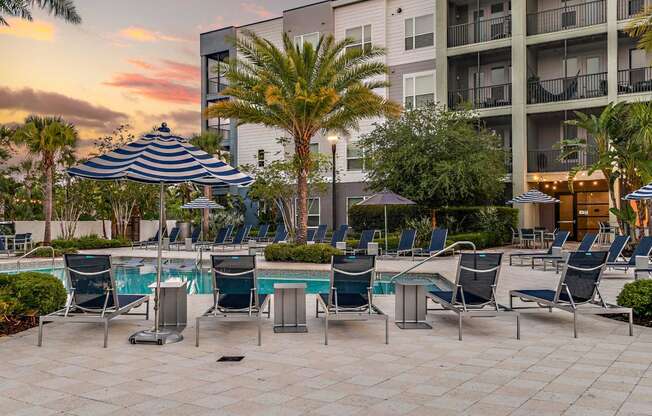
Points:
(326, 329)
(518, 325)
(574, 324)
(631, 324)
(197, 332)
(39, 342)
(106, 332)
(386, 330)
(260, 331)
(459, 326)
(147, 310)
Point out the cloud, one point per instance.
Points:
(140, 64)
(155, 88)
(36, 30)
(181, 121)
(168, 69)
(80, 112)
(141, 34)
(257, 10)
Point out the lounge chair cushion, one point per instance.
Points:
(447, 296)
(347, 300)
(123, 300)
(238, 301)
(545, 294)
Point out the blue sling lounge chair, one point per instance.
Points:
(643, 248)
(437, 242)
(555, 248)
(405, 243)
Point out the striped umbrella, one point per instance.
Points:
(643, 193)
(534, 196)
(164, 159)
(202, 203)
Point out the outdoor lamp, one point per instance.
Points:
(333, 139)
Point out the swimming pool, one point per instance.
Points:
(135, 280)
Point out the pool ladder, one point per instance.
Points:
(21, 258)
(436, 254)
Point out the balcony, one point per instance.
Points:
(564, 89)
(634, 80)
(480, 31)
(225, 132)
(482, 97)
(568, 17)
(216, 85)
(549, 160)
(630, 8)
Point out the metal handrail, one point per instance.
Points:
(32, 251)
(438, 253)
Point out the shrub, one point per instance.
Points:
(304, 253)
(31, 293)
(46, 252)
(481, 240)
(89, 242)
(638, 296)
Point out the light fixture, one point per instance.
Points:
(333, 139)
(554, 187)
(547, 186)
(581, 183)
(595, 183)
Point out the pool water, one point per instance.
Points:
(135, 280)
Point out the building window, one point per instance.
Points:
(314, 148)
(261, 158)
(311, 38)
(361, 35)
(313, 211)
(497, 8)
(351, 201)
(419, 32)
(418, 89)
(355, 160)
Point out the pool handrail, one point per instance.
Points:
(32, 251)
(436, 254)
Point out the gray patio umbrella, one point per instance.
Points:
(385, 198)
(202, 203)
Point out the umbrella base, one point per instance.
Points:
(150, 336)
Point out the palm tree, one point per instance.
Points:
(304, 90)
(49, 138)
(211, 143)
(64, 9)
(641, 28)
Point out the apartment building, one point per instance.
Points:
(526, 66)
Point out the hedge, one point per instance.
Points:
(638, 296)
(88, 243)
(303, 253)
(30, 293)
(481, 240)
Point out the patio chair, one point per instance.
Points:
(549, 237)
(240, 237)
(555, 248)
(366, 237)
(578, 290)
(220, 238)
(281, 234)
(616, 248)
(320, 233)
(172, 238)
(437, 242)
(643, 249)
(145, 243)
(339, 235)
(516, 237)
(24, 241)
(235, 293)
(263, 230)
(474, 291)
(350, 296)
(310, 234)
(194, 238)
(405, 243)
(586, 244)
(527, 236)
(92, 295)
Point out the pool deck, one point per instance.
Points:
(420, 372)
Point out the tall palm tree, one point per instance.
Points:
(64, 9)
(211, 143)
(641, 28)
(47, 138)
(304, 90)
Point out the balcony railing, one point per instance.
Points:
(630, 8)
(549, 160)
(225, 132)
(634, 80)
(569, 17)
(569, 88)
(216, 85)
(480, 31)
(482, 97)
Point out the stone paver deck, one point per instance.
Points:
(420, 372)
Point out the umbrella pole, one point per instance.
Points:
(159, 260)
(386, 246)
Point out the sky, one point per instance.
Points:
(134, 62)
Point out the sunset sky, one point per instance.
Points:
(133, 62)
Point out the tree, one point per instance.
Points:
(48, 138)
(64, 9)
(641, 27)
(8, 185)
(436, 157)
(304, 90)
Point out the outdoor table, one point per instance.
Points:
(173, 301)
(290, 308)
(411, 301)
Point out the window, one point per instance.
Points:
(362, 37)
(311, 38)
(261, 158)
(419, 32)
(351, 201)
(314, 148)
(570, 67)
(637, 58)
(313, 211)
(593, 65)
(418, 89)
(355, 160)
(497, 8)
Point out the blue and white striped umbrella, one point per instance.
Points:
(534, 196)
(643, 193)
(201, 203)
(161, 158)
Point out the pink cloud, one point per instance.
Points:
(168, 69)
(257, 10)
(155, 88)
(35, 30)
(140, 34)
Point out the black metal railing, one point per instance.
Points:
(630, 8)
(550, 160)
(568, 17)
(482, 97)
(216, 85)
(634, 80)
(480, 31)
(568, 88)
(225, 132)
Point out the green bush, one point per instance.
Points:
(303, 253)
(481, 240)
(30, 293)
(46, 252)
(89, 242)
(638, 296)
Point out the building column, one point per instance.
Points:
(519, 115)
(441, 52)
(612, 74)
(204, 88)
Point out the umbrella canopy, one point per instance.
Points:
(385, 198)
(163, 159)
(643, 193)
(534, 196)
(202, 203)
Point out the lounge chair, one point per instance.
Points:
(351, 293)
(172, 238)
(554, 250)
(145, 243)
(92, 295)
(616, 248)
(474, 292)
(320, 233)
(281, 234)
(23, 240)
(405, 243)
(240, 237)
(585, 245)
(339, 235)
(194, 238)
(437, 242)
(310, 234)
(263, 230)
(235, 292)
(366, 237)
(643, 249)
(578, 290)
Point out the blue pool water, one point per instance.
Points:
(135, 280)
